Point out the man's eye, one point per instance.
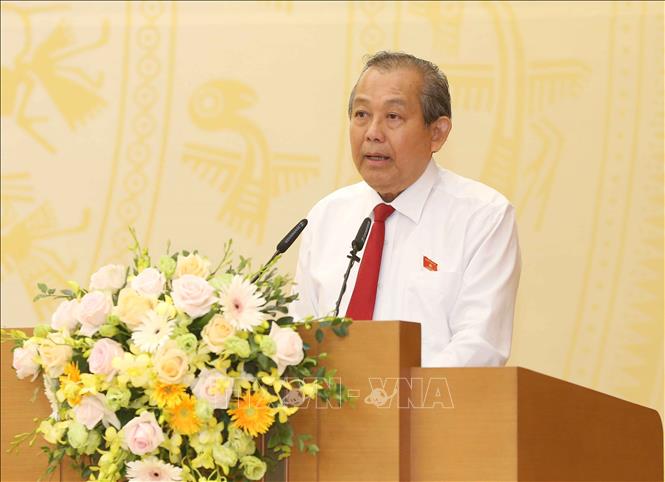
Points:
(360, 113)
(392, 115)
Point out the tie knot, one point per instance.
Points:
(382, 211)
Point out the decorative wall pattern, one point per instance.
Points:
(198, 121)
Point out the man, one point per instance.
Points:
(443, 249)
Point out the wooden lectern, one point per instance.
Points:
(450, 424)
(426, 424)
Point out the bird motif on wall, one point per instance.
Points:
(27, 239)
(247, 174)
(71, 89)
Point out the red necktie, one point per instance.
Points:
(361, 306)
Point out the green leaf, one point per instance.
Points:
(42, 287)
(313, 449)
(301, 441)
(319, 335)
(264, 362)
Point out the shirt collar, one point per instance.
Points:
(411, 201)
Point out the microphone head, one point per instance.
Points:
(358, 243)
(291, 236)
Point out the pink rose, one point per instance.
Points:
(289, 347)
(65, 315)
(193, 295)
(149, 283)
(92, 312)
(102, 355)
(93, 409)
(25, 361)
(143, 434)
(213, 387)
(108, 278)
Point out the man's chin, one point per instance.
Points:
(386, 190)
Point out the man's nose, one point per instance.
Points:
(374, 131)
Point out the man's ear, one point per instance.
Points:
(440, 129)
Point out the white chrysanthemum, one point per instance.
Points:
(153, 332)
(49, 391)
(151, 469)
(241, 303)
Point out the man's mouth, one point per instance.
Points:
(376, 157)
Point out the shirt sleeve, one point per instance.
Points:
(481, 319)
(307, 303)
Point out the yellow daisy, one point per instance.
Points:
(182, 416)
(253, 413)
(165, 395)
(71, 373)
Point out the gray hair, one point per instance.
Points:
(434, 96)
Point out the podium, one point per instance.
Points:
(424, 424)
(454, 424)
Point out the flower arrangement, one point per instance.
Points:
(173, 371)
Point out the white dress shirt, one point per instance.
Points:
(465, 306)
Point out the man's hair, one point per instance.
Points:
(434, 95)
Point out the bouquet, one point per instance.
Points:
(173, 371)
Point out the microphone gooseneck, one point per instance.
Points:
(283, 245)
(356, 245)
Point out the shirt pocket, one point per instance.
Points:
(433, 293)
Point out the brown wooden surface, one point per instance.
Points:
(515, 424)
(362, 442)
(29, 463)
(476, 438)
(568, 432)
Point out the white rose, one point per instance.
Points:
(289, 347)
(132, 307)
(108, 278)
(149, 282)
(192, 264)
(92, 410)
(213, 387)
(65, 315)
(25, 361)
(193, 295)
(54, 357)
(92, 312)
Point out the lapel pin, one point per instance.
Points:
(429, 264)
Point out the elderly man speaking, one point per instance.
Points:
(442, 250)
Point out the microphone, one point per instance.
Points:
(283, 245)
(291, 236)
(356, 245)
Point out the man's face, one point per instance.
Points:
(390, 143)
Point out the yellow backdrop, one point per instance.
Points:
(196, 122)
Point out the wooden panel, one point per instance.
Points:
(568, 432)
(362, 442)
(17, 415)
(468, 433)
